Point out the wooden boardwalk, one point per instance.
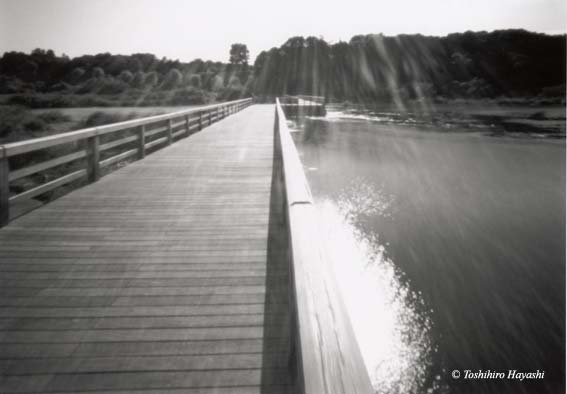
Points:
(168, 275)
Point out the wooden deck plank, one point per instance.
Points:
(161, 276)
(135, 364)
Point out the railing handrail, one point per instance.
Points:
(17, 148)
(322, 98)
(143, 133)
(328, 355)
(319, 100)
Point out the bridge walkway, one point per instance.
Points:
(168, 275)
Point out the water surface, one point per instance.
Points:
(448, 244)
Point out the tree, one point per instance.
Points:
(195, 80)
(151, 79)
(76, 75)
(126, 76)
(138, 80)
(173, 79)
(239, 54)
(97, 72)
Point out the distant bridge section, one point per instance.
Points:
(303, 105)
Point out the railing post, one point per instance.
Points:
(169, 132)
(93, 158)
(142, 142)
(200, 121)
(4, 188)
(187, 130)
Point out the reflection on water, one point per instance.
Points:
(395, 338)
(449, 249)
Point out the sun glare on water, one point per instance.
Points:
(392, 334)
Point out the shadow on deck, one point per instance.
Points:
(279, 363)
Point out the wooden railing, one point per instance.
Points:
(313, 99)
(303, 105)
(302, 99)
(328, 356)
(99, 148)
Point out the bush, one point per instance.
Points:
(92, 101)
(151, 79)
(172, 80)
(76, 75)
(126, 76)
(41, 101)
(217, 83)
(54, 117)
(234, 82)
(89, 86)
(230, 93)
(60, 87)
(554, 91)
(97, 72)
(101, 118)
(112, 86)
(139, 79)
(35, 124)
(11, 120)
(17, 123)
(195, 80)
(188, 97)
(11, 85)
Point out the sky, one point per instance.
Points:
(185, 30)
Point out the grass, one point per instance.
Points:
(100, 118)
(130, 98)
(19, 123)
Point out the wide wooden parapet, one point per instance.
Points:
(328, 355)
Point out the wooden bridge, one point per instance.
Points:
(195, 269)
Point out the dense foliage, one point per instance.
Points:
(372, 67)
(506, 63)
(42, 79)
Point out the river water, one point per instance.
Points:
(448, 243)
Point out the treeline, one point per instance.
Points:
(42, 79)
(506, 63)
(510, 63)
